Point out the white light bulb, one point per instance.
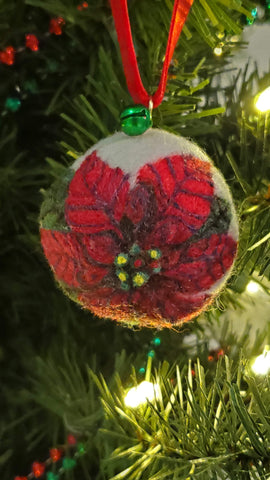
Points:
(218, 51)
(252, 287)
(263, 101)
(139, 395)
(261, 365)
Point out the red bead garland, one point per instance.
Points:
(32, 42)
(71, 440)
(67, 451)
(55, 454)
(83, 6)
(56, 25)
(220, 353)
(7, 56)
(38, 469)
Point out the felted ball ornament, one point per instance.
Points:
(141, 229)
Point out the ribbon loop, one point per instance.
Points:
(128, 54)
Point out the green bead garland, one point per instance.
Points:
(81, 449)
(52, 476)
(12, 104)
(69, 463)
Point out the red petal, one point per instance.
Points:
(106, 301)
(164, 176)
(138, 203)
(183, 306)
(163, 298)
(67, 259)
(198, 169)
(101, 247)
(184, 191)
(198, 248)
(192, 221)
(192, 204)
(201, 186)
(97, 197)
(156, 300)
(170, 257)
(168, 231)
(202, 265)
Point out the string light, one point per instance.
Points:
(218, 51)
(263, 101)
(252, 287)
(140, 394)
(235, 38)
(261, 365)
(221, 35)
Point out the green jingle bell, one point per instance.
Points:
(135, 120)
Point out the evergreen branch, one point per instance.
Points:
(201, 424)
(201, 427)
(162, 438)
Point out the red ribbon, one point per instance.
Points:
(129, 59)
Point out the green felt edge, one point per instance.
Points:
(52, 212)
(71, 293)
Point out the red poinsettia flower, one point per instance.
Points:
(150, 252)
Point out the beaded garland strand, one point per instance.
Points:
(64, 458)
(7, 56)
(61, 459)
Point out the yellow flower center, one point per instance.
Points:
(121, 259)
(127, 264)
(155, 254)
(122, 276)
(140, 279)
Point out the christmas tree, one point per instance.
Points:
(83, 397)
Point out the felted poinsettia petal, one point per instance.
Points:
(164, 176)
(198, 170)
(60, 252)
(163, 298)
(184, 192)
(108, 303)
(184, 306)
(100, 247)
(176, 173)
(149, 302)
(139, 204)
(202, 264)
(68, 261)
(169, 230)
(97, 197)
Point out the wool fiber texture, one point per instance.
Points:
(141, 230)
